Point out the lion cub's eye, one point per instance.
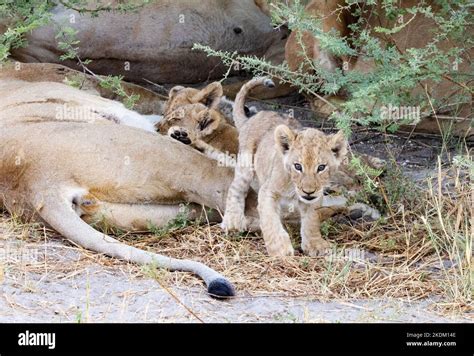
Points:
(321, 167)
(298, 167)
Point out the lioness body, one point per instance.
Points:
(149, 103)
(48, 101)
(415, 31)
(155, 42)
(61, 168)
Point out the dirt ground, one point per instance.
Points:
(98, 294)
(57, 282)
(44, 278)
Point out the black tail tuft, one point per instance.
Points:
(220, 288)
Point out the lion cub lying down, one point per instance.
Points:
(202, 119)
(292, 167)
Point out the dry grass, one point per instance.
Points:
(418, 250)
(421, 249)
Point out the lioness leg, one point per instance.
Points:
(277, 240)
(339, 205)
(234, 216)
(141, 217)
(57, 211)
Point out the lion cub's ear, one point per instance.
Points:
(210, 95)
(175, 90)
(338, 144)
(284, 138)
(208, 122)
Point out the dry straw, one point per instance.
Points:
(418, 251)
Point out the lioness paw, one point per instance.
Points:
(363, 211)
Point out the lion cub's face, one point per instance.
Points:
(311, 158)
(194, 110)
(196, 119)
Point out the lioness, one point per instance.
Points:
(413, 32)
(292, 167)
(63, 157)
(24, 101)
(155, 41)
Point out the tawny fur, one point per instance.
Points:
(61, 166)
(187, 108)
(198, 113)
(150, 103)
(219, 140)
(333, 19)
(29, 102)
(270, 147)
(416, 33)
(156, 41)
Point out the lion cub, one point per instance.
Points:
(211, 96)
(202, 128)
(292, 167)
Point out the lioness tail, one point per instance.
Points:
(57, 211)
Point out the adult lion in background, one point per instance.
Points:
(416, 32)
(63, 157)
(155, 42)
(150, 103)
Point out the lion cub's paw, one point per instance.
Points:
(287, 251)
(180, 134)
(253, 224)
(278, 248)
(317, 248)
(363, 211)
(234, 222)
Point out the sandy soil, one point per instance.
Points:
(70, 286)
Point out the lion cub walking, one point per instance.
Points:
(292, 167)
